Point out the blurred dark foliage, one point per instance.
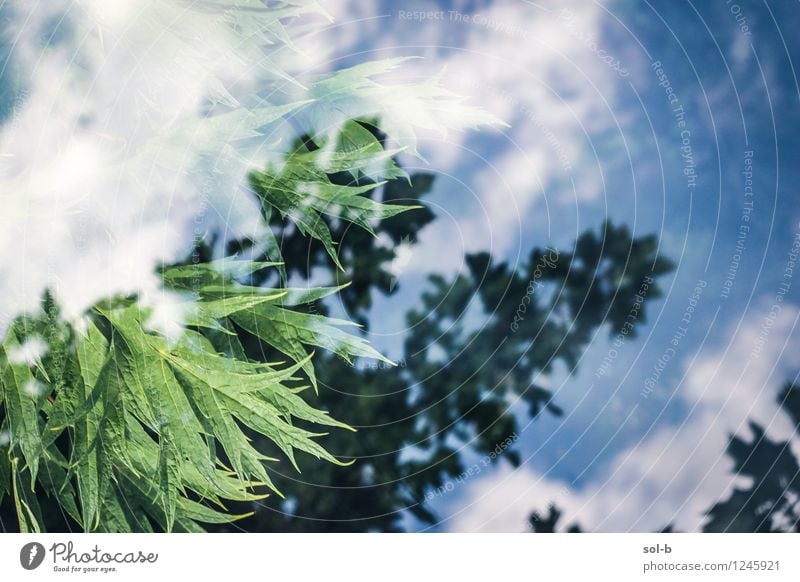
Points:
(771, 503)
(463, 362)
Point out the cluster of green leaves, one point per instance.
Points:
(329, 177)
(129, 431)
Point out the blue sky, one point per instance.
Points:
(730, 69)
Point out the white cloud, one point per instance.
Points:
(108, 167)
(30, 352)
(89, 205)
(520, 62)
(503, 502)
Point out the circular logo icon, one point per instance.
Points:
(31, 555)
